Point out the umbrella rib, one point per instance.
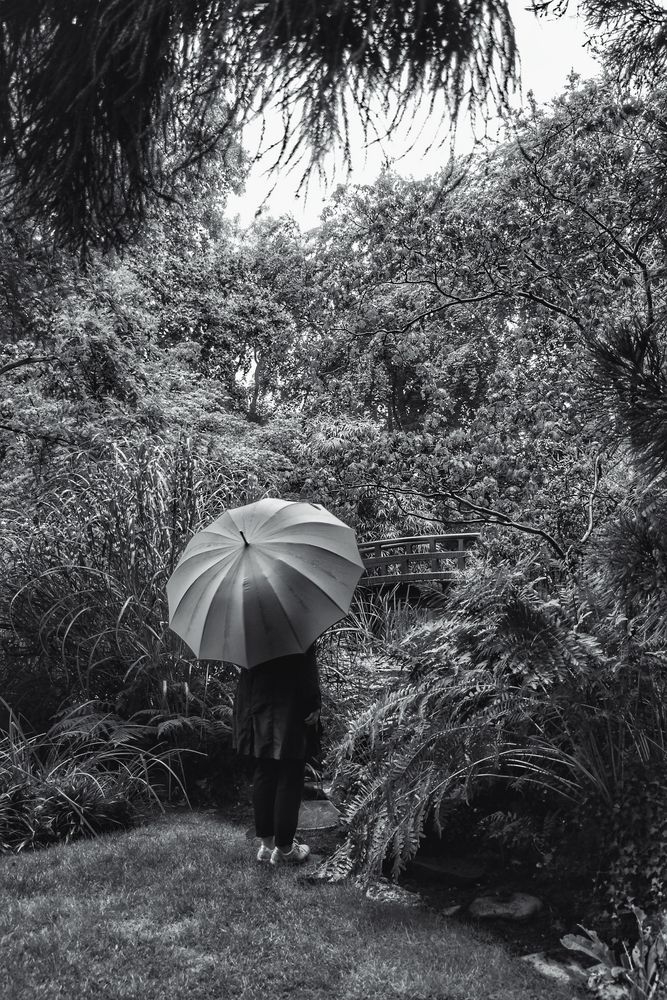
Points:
(330, 554)
(327, 517)
(312, 583)
(211, 570)
(287, 619)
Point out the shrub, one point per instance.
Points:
(520, 685)
(636, 838)
(356, 656)
(91, 773)
(641, 969)
(18, 803)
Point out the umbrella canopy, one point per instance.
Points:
(263, 581)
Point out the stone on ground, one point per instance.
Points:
(568, 973)
(514, 906)
(317, 814)
(384, 891)
(314, 814)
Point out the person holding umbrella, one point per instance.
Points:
(256, 588)
(276, 710)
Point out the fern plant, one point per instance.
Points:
(518, 683)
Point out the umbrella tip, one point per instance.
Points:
(245, 540)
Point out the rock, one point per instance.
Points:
(514, 906)
(317, 814)
(454, 871)
(319, 825)
(384, 891)
(567, 973)
(602, 983)
(610, 991)
(322, 841)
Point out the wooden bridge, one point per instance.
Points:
(414, 559)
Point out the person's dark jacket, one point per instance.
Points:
(271, 703)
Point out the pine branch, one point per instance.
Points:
(91, 95)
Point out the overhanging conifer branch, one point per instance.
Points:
(93, 94)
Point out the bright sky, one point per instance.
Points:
(549, 49)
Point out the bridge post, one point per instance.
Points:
(461, 559)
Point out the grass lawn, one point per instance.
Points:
(180, 908)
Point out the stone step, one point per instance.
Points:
(318, 826)
(318, 814)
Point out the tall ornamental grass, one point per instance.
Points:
(83, 580)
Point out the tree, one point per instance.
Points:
(79, 354)
(629, 35)
(455, 319)
(93, 94)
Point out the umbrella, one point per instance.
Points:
(263, 581)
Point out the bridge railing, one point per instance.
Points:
(414, 558)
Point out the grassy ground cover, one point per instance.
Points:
(180, 908)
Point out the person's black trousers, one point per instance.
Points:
(276, 797)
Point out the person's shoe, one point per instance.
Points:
(296, 856)
(264, 853)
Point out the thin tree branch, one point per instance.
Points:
(437, 309)
(597, 475)
(497, 517)
(629, 252)
(12, 365)
(487, 514)
(40, 435)
(533, 297)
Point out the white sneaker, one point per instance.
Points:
(295, 856)
(264, 853)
